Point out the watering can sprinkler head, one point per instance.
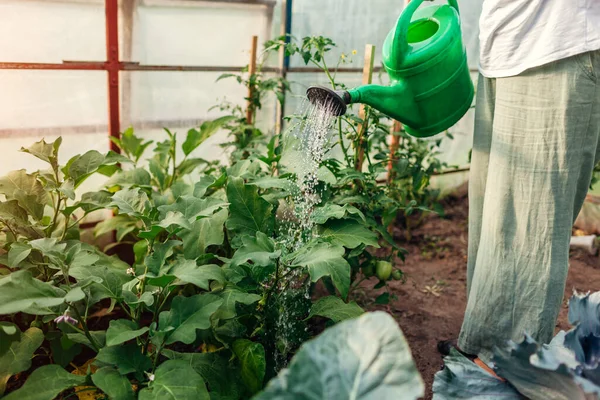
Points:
(334, 101)
(430, 88)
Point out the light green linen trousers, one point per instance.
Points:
(535, 145)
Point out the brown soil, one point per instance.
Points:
(437, 256)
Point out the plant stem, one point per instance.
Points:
(156, 355)
(327, 71)
(86, 331)
(341, 139)
(138, 310)
(56, 211)
(9, 228)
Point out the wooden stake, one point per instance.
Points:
(251, 71)
(283, 72)
(394, 143)
(367, 79)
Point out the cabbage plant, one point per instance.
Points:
(568, 368)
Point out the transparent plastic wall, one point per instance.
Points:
(36, 104)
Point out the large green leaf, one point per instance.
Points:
(202, 186)
(174, 219)
(321, 215)
(45, 151)
(17, 253)
(364, 358)
(12, 211)
(187, 315)
(203, 233)
(90, 201)
(260, 250)
(30, 203)
(133, 202)
(18, 357)
(335, 309)
(122, 330)
(21, 183)
(160, 252)
(253, 363)
(99, 337)
(64, 350)
(461, 378)
(175, 380)
(275, 183)
(222, 376)
(231, 296)
(111, 272)
(45, 383)
(325, 259)
(49, 247)
(20, 292)
(15, 216)
(123, 224)
(9, 333)
(192, 207)
(200, 275)
(249, 212)
(348, 233)
(189, 165)
(80, 167)
(127, 358)
(130, 178)
(111, 382)
(196, 137)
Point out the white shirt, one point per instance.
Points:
(515, 35)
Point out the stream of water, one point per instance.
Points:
(312, 136)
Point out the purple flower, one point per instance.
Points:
(66, 318)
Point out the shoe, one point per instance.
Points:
(444, 347)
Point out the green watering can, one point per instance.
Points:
(431, 87)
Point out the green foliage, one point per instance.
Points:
(18, 356)
(113, 384)
(45, 383)
(335, 309)
(220, 264)
(252, 363)
(175, 379)
(362, 358)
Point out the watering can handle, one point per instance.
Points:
(400, 36)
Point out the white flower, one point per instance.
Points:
(130, 271)
(151, 377)
(66, 318)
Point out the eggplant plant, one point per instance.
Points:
(220, 292)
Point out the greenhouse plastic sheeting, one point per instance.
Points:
(73, 104)
(177, 32)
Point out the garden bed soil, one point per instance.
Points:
(437, 255)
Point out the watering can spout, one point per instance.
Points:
(396, 101)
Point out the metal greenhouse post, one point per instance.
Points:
(112, 68)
